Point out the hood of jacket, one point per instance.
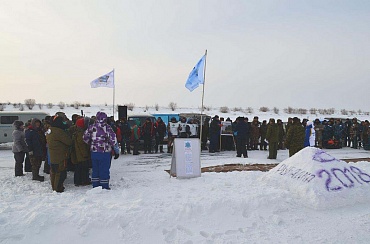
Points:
(101, 118)
(17, 124)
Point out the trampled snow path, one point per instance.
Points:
(145, 205)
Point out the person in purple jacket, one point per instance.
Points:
(102, 140)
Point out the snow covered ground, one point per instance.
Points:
(146, 205)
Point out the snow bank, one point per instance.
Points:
(319, 180)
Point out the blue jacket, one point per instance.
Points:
(33, 141)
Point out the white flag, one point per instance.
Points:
(106, 80)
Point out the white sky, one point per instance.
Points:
(260, 53)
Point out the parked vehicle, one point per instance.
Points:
(141, 117)
(7, 119)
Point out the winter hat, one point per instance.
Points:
(101, 117)
(17, 124)
(57, 121)
(80, 123)
(34, 121)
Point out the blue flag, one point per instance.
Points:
(196, 76)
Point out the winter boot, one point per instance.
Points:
(36, 176)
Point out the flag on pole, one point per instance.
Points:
(106, 80)
(196, 76)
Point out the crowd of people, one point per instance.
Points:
(293, 135)
(79, 144)
(83, 143)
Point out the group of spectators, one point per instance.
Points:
(83, 143)
(293, 135)
(80, 143)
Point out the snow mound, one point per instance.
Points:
(319, 180)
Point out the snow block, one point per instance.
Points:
(320, 181)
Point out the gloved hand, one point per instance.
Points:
(116, 155)
(30, 153)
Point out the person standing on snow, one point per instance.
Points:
(59, 143)
(184, 129)
(214, 134)
(319, 128)
(309, 140)
(241, 130)
(272, 136)
(147, 132)
(135, 135)
(102, 139)
(295, 137)
(19, 148)
(160, 131)
(36, 148)
(80, 154)
(173, 132)
(126, 136)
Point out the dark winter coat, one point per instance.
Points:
(272, 134)
(34, 142)
(241, 129)
(295, 138)
(59, 143)
(328, 132)
(263, 131)
(80, 150)
(147, 129)
(125, 129)
(160, 128)
(214, 127)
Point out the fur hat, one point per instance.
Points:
(17, 124)
(57, 121)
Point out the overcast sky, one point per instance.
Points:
(302, 54)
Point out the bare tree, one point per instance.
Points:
(2, 106)
(313, 110)
(21, 107)
(30, 103)
(156, 106)
(276, 110)
(207, 108)
(61, 105)
(264, 109)
(224, 109)
(288, 110)
(49, 105)
(172, 106)
(130, 106)
(249, 110)
(76, 104)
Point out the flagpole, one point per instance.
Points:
(114, 92)
(201, 111)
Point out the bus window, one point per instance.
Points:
(8, 120)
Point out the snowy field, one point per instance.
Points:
(146, 205)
